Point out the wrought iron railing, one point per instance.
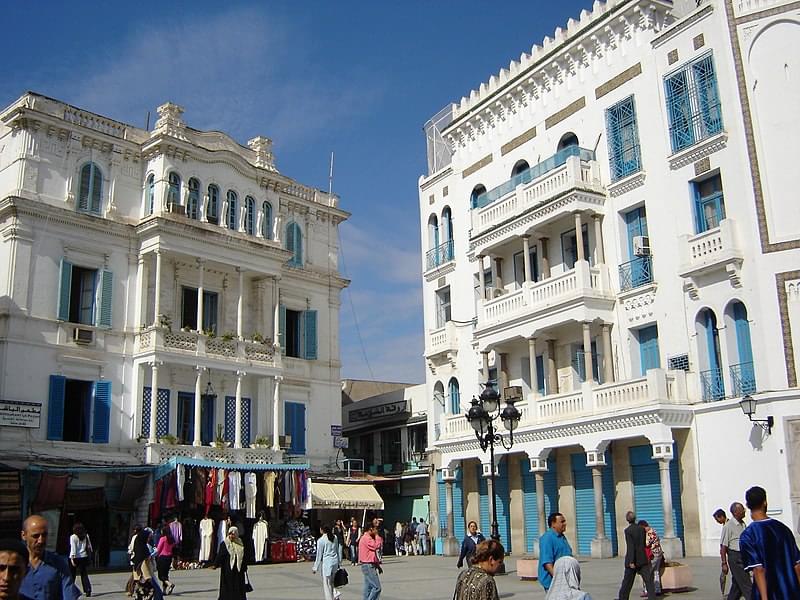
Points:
(635, 273)
(713, 385)
(528, 175)
(743, 379)
(441, 254)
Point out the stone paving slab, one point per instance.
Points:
(406, 578)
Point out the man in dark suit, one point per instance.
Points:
(636, 562)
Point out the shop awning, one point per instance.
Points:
(170, 465)
(345, 495)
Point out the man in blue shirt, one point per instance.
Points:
(48, 575)
(552, 546)
(13, 564)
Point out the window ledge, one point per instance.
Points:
(699, 150)
(626, 184)
(442, 269)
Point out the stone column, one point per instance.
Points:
(481, 277)
(587, 353)
(502, 374)
(601, 545)
(198, 406)
(276, 406)
(154, 402)
(157, 292)
(497, 272)
(545, 258)
(276, 314)
(579, 236)
(672, 545)
(237, 435)
(532, 362)
(598, 236)
(552, 376)
(451, 544)
(608, 364)
(240, 304)
(200, 291)
(539, 468)
(526, 257)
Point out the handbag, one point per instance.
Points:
(340, 577)
(247, 587)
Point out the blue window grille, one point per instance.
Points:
(713, 384)
(90, 196)
(192, 207)
(233, 211)
(440, 255)
(693, 105)
(162, 414)
(623, 139)
(743, 379)
(455, 396)
(635, 273)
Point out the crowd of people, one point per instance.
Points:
(762, 559)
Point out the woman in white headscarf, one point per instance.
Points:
(230, 559)
(566, 581)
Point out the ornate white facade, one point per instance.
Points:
(607, 223)
(173, 259)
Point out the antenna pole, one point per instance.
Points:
(330, 177)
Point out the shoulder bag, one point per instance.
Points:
(340, 577)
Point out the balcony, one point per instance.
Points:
(442, 341)
(440, 255)
(159, 453)
(712, 385)
(572, 169)
(743, 379)
(552, 301)
(711, 250)
(658, 387)
(192, 344)
(635, 273)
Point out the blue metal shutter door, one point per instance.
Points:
(101, 418)
(55, 407)
(584, 503)
(459, 527)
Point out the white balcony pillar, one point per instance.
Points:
(240, 304)
(552, 376)
(587, 353)
(662, 453)
(533, 369)
(198, 406)
(600, 257)
(481, 277)
(545, 257)
(526, 257)
(485, 366)
(141, 292)
(451, 544)
(157, 291)
(276, 313)
(237, 436)
(608, 363)
(153, 438)
(497, 272)
(579, 236)
(539, 467)
(276, 411)
(200, 291)
(601, 544)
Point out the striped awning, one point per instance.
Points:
(345, 495)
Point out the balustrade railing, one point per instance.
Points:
(635, 273)
(743, 379)
(180, 341)
(438, 256)
(712, 384)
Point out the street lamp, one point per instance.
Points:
(748, 405)
(485, 410)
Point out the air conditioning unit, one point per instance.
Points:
(176, 209)
(285, 441)
(493, 292)
(641, 245)
(83, 336)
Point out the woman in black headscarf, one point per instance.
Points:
(230, 560)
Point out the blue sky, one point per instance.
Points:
(357, 78)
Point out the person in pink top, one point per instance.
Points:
(164, 558)
(369, 557)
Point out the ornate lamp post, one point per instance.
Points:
(485, 410)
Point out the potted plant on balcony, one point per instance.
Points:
(258, 338)
(219, 441)
(165, 321)
(209, 333)
(168, 439)
(261, 441)
(228, 336)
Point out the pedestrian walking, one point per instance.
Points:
(369, 548)
(469, 544)
(398, 538)
(164, 552)
(338, 532)
(145, 586)
(636, 562)
(769, 550)
(566, 581)
(328, 558)
(412, 527)
(655, 554)
(477, 582)
(233, 569)
(48, 576)
(730, 553)
(422, 536)
(552, 545)
(721, 518)
(13, 568)
(353, 534)
(80, 555)
(408, 540)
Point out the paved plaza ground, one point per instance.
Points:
(406, 578)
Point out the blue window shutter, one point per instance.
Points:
(743, 343)
(708, 95)
(294, 242)
(97, 189)
(85, 187)
(106, 293)
(310, 338)
(295, 426)
(230, 418)
(64, 290)
(162, 415)
(147, 395)
(101, 419)
(55, 407)
(186, 405)
(540, 374)
(679, 110)
(455, 396)
(207, 419)
(282, 327)
(648, 349)
(711, 333)
(246, 421)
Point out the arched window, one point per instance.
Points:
(212, 215)
(266, 221)
(433, 256)
(294, 242)
(448, 249)
(475, 196)
(174, 189)
(233, 211)
(150, 194)
(250, 215)
(192, 209)
(455, 396)
(90, 197)
(567, 140)
(711, 377)
(743, 375)
(520, 167)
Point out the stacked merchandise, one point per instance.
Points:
(305, 542)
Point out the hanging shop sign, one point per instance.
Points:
(20, 414)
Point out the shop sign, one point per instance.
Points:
(20, 414)
(389, 409)
(341, 442)
(336, 430)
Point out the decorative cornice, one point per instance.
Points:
(441, 270)
(700, 150)
(438, 176)
(682, 25)
(623, 186)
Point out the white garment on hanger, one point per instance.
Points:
(234, 489)
(206, 535)
(222, 531)
(218, 493)
(250, 490)
(179, 479)
(260, 536)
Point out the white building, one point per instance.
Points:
(173, 259)
(607, 223)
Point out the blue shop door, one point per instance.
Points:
(647, 490)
